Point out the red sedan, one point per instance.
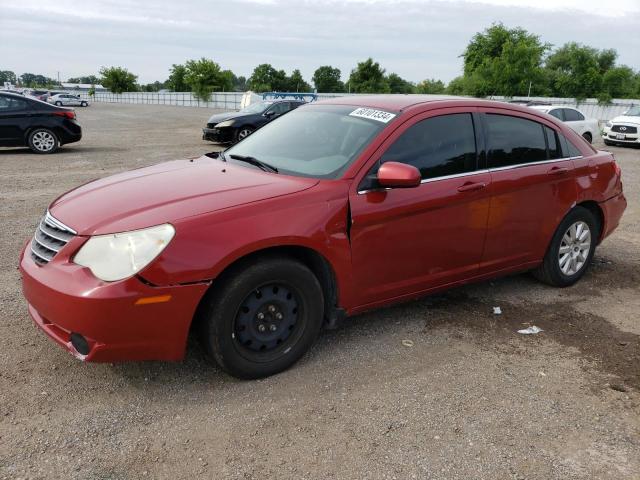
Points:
(333, 209)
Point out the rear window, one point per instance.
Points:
(571, 115)
(514, 141)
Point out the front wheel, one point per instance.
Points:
(84, 104)
(608, 143)
(243, 132)
(588, 137)
(263, 318)
(43, 140)
(571, 249)
(58, 104)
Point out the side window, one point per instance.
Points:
(514, 140)
(572, 115)
(555, 151)
(8, 104)
(437, 146)
(280, 108)
(557, 112)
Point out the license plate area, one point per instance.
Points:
(620, 136)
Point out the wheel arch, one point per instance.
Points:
(312, 259)
(597, 212)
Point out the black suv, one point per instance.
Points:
(35, 124)
(232, 127)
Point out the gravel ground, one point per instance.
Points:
(470, 399)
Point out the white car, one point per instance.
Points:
(623, 130)
(67, 99)
(574, 119)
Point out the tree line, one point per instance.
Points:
(498, 61)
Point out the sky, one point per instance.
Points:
(416, 39)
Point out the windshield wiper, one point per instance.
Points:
(254, 161)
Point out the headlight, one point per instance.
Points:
(121, 255)
(608, 124)
(226, 123)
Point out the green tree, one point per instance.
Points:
(575, 71)
(240, 84)
(205, 76)
(118, 79)
(7, 76)
(619, 82)
(265, 78)
(327, 79)
(89, 79)
(457, 86)
(33, 80)
(397, 84)
(503, 61)
(176, 81)
(295, 82)
(368, 77)
(431, 86)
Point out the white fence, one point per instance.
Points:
(231, 101)
(226, 100)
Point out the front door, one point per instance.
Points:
(405, 241)
(13, 119)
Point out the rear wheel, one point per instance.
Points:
(571, 249)
(43, 140)
(84, 104)
(263, 318)
(588, 137)
(59, 104)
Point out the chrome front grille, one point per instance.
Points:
(51, 235)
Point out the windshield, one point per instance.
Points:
(319, 141)
(256, 107)
(633, 112)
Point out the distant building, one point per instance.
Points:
(82, 87)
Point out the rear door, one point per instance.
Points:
(532, 187)
(409, 240)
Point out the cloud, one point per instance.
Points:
(416, 39)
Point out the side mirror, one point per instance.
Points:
(398, 175)
(270, 113)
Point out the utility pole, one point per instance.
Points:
(529, 94)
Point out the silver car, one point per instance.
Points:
(67, 99)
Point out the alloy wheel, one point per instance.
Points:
(574, 248)
(244, 133)
(43, 141)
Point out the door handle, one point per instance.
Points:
(471, 187)
(557, 171)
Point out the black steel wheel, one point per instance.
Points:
(262, 317)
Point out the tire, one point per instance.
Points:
(242, 133)
(588, 137)
(263, 318)
(566, 268)
(58, 104)
(84, 104)
(43, 141)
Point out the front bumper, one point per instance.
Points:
(65, 298)
(218, 135)
(629, 138)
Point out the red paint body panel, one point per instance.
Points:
(382, 246)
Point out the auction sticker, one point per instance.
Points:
(378, 115)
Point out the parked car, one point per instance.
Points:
(39, 94)
(232, 127)
(574, 118)
(35, 124)
(336, 208)
(67, 99)
(623, 130)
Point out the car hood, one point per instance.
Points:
(168, 192)
(626, 119)
(222, 117)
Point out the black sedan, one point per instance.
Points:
(36, 124)
(232, 127)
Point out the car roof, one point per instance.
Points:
(545, 108)
(12, 94)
